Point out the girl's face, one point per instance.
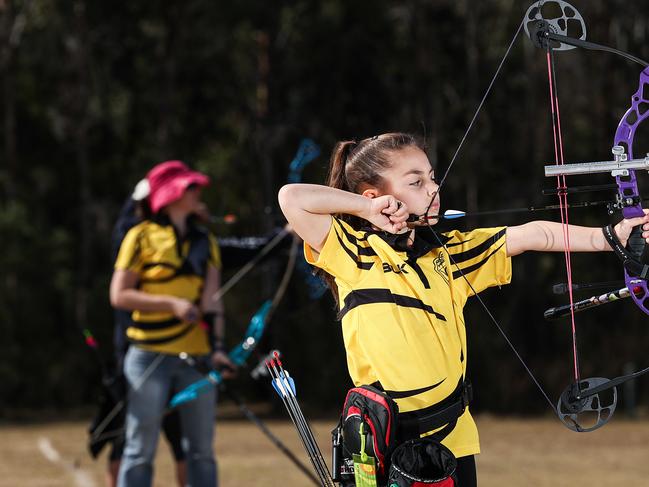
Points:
(411, 179)
(190, 201)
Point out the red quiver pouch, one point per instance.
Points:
(422, 463)
(379, 413)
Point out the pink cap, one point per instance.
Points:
(169, 180)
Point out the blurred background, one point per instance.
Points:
(95, 93)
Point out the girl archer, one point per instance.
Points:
(401, 291)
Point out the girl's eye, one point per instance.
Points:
(416, 183)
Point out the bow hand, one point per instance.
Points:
(625, 228)
(184, 309)
(224, 365)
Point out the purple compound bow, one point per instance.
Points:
(588, 404)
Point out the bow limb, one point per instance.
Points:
(240, 352)
(306, 152)
(191, 392)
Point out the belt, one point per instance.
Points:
(415, 423)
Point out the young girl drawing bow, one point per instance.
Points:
(400, 297)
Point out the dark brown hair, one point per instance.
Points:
(356, 164)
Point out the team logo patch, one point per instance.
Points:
(440, 266)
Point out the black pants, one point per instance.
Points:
(466, 472)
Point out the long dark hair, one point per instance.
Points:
(354, 164)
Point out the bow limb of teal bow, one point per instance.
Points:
(306, 152)
(192, 391)
(240, 353)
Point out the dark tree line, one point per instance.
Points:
(95, 93)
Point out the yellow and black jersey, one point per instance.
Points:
(401, 310)
(167, 265)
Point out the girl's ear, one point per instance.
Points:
(371, 193)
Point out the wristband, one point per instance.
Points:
(216, 342)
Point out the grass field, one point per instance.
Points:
(516, 452)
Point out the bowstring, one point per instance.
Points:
(563, 197)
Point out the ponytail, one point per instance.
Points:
(337, 178)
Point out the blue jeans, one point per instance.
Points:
(151, 377)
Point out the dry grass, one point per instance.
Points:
(516, 452)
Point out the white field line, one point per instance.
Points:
(80, 476)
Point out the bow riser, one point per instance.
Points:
(628, 185)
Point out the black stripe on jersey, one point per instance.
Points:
(361, 265)
(167, 265)
(458, 243)
(475, 251)
(372, 296)
(354, 241)
(413, 392)
(160, 280)
(155, 325)
(471, 268)
(444, 432)
(157, 341)
(420, 272)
